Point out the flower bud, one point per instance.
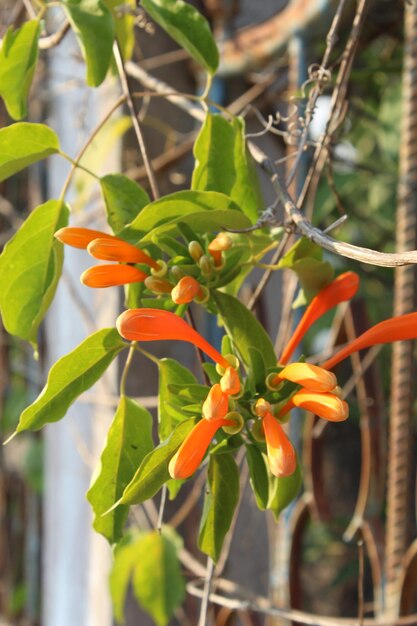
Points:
(177, 272)
(158, 285)
(186, 290)
(195, 251)
(206, 266)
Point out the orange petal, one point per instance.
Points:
(153, 324)
(311, 376)
(192, 450)
(230, 382)
(325, 405)
(399, 328)
(118, 250)
(80, 237)
(281, 454)
(111, 275)
(216, 404)
(186, 290)
(341, 289)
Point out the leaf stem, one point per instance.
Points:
(126, 368)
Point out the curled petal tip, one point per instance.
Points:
(326, 405)
(79, 237)
(307, 375)
(111, 276)
(282, 459)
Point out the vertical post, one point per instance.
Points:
(76, 561)
(402, 373)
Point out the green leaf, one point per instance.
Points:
(22, 144)
(125, 558)
(129, 440)
(224, 164)
(93, 25)
(158, 583)
(219, 504)
(244, 329)
(70, 376)
(283, 490)
(30, 266)
(153, 471)
(18, 58)
(123, 198)
(305, 259)
(258, 475)
(257, 371)
(187, 27)
(124, 21)
(170, 372)
(204, 211)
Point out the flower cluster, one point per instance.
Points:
(228, 404)
(181, 287)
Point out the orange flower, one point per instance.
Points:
(79, 237)
(341, 289)
(220, 243)
(153, 324)
(107, 248)
(326, 405)
(280, 451)
(111, 275)
(116, 249)
(216, 404)
(282, 460)
(230, 382)
(192, 450)
(311, 376)
(399, 328)
(186, 290)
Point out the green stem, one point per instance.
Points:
(148, 355)
(126, 368)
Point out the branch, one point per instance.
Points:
(294, 215)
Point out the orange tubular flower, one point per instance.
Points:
(111, 275)
(343, 288)
(79, 237)
(115, 249)
(216, 404)
(280, 451)
(311, 376)
(326, 405)
(222, 242)
(186, 290)
(154, 324)
(192, 450)
(401, 328)
(230, 382)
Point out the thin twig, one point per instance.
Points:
(50, 41)
(267, 275)
(162, 508)
(134, 114)
(361, 575)
(206, 592)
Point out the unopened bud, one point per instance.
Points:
(177, 272)
(206, 265)
(222, 242)
(186, 290)
(216, 404)
(195, 251)
(158, 285)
